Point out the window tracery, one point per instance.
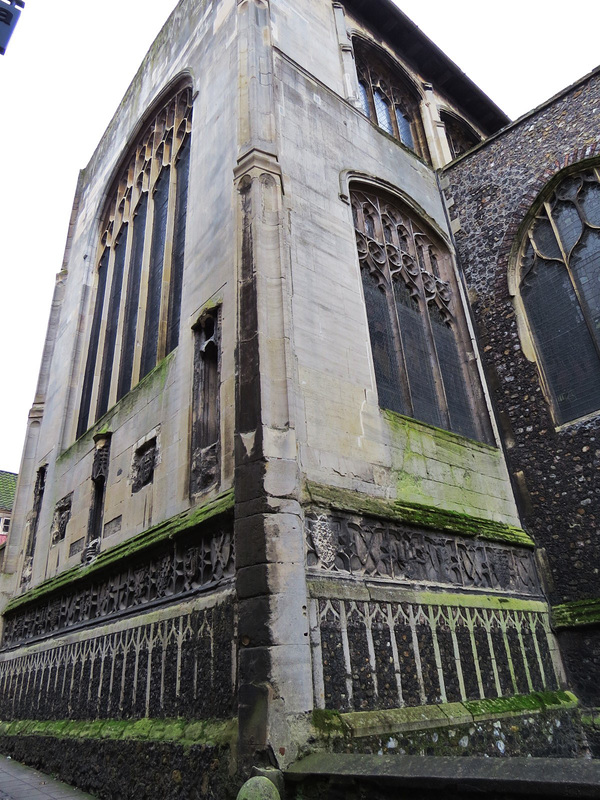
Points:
(460, 136)
(386, 99)
(135, 322)
(416, 326)
(560, 290)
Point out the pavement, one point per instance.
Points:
(18, 782)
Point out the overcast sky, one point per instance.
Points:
(68, 66)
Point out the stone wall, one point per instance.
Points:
(492, 190)
(555, 469)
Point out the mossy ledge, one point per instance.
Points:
(157, 377)
(421, 516)
(182, 731)
(169, 529)
(333, 724)
(577, 613)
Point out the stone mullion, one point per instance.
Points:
(346, 652)
(488, 630)
(143, 294)
(434, 361)
(536, 646)
(503, 622)
(395, 655)
(433, 618)
(116, 367)
(471, 629)
(317, 654)
(416, 652)
(165, 291)
(92, 417)
(393, 311)
(453, 615)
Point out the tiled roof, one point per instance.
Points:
(8, 484)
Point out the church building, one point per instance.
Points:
(310, 483)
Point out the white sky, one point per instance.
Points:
(68, 65)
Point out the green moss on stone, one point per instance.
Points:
(169, 529)
(360, 724)
(156, 378)
(538, 701)
(208, 732)
(580, 612)
(329, 722)
(421, 516)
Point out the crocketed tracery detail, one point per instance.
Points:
(139, 272)
(417, 329)
(560, 288)
(386, 99)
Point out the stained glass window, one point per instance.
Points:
(140, 264)
(416, 325)
(385, 96)
(560, 289)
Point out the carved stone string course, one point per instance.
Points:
(169, 573)
(367, 547)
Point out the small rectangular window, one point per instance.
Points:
(205, 460)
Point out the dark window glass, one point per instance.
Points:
(384, 118)
(364, 99)
(560, 288)
(404, 129)
(415, 322)
(112, 323)
(383, 345)
(460, 137)
(416, 346)
(383, 86)
(183, 166)
(157, 259)
(133, 298)
(88, 379)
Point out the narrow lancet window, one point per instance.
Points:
(157, 260)
(205, 411)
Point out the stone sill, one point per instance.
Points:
(383, 723)
(178, 731)
(576, 614)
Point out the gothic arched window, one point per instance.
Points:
(419, 339)
(386, 99)
(460, 136)
(559, 282)
(139, 272)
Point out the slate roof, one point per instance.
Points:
(433, 64)
(8, 484)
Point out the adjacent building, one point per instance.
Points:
(8, 485)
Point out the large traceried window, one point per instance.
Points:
(386, 98)
(560, 289)
(418, 333)
(139, 273)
